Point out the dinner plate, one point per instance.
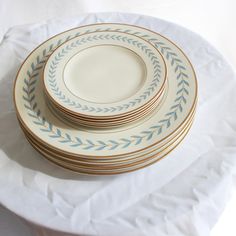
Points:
(108, 164)
(42, 124)
(113, 160)
(113, 119)
(88, 75)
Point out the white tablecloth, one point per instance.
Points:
(183, 194)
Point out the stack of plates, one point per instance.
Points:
(106, 99)
(104, 79)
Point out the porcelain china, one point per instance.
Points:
(159, 122)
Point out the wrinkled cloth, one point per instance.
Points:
(183, 194)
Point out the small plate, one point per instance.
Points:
(104, 74)
(112, 159)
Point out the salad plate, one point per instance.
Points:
(88, 75)
(112, 159)
(107, 123)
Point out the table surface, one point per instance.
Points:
(197, 24)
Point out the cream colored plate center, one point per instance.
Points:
(104, 74)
